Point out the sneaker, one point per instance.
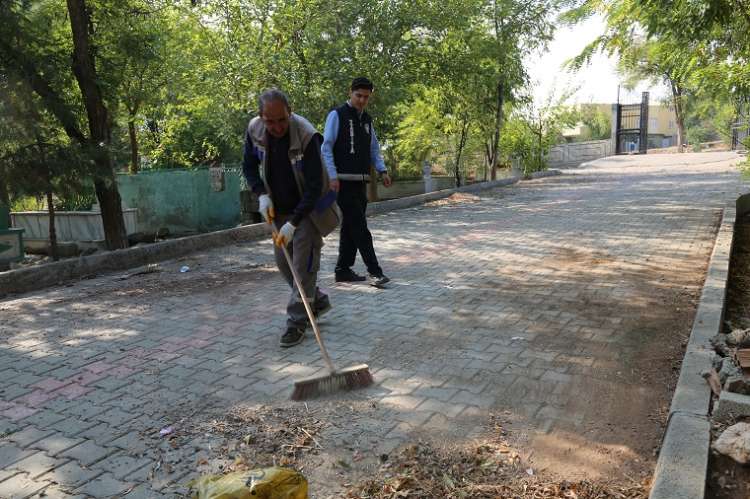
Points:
(293, 336)
(349, 276)
(378, 281)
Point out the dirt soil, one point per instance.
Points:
(726, 478)
(295, 436)
(625, 402)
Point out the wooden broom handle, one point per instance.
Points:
(308, 309)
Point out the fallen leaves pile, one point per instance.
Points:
(490, 469)
(485, 471)
(246, 438)
(240, 439)
(266, 436)
(458, 197)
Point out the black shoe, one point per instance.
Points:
(349, 276)
(378, 280)
(321, 307)
(293, 336)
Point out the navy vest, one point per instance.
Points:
(351, 151)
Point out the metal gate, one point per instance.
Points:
(740, 129)
(740, 135)
(632, 127)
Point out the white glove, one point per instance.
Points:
(265, 207)
(285, 234)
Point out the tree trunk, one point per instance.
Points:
(53, 251)
(487, 159)
(540, 159)
(134, 163)
(679, 114)
(499, 22)
(4, 195)
(498, 124)
(52, 233)
(99, 128)
(461, 144)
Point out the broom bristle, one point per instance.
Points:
(350, 378)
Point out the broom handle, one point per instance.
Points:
(309, 311)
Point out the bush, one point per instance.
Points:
(28, 203)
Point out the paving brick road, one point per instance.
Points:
(560, 304)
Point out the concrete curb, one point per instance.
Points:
(683, 461)
(33, 278)
(682, 466)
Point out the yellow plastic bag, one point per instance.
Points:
(266, 483)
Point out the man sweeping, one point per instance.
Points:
(349, 148)
(293, 195)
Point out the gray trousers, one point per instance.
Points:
(305, 253)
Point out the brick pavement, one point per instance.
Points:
(542, 302)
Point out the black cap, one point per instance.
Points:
(362, 82)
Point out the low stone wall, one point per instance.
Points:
(70, 226)
(575, 153)
(405, 188)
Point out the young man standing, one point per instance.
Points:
(293, 195)
(349, 148)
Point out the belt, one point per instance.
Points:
(356, 177)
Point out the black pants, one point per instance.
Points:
(355, 235)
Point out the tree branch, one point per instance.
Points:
(52, 100)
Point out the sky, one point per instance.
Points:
(596, 82)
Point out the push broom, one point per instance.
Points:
(349, 378)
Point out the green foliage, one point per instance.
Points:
(71, 202)
(179, 79)
(192, 134)
(545, 124)
(35, 169)
(597, 125)
(420, 133)
(28, 203)
(699, 48)
(77, 200)
(518, 143)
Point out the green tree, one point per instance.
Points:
(420, 133)
(36, 43)
(597, 124)
(136, 60)
(49, 170)
(538, 127)
(518, 28)
(697, 47)
(161, 83)
(37, 160)
(661, 60)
